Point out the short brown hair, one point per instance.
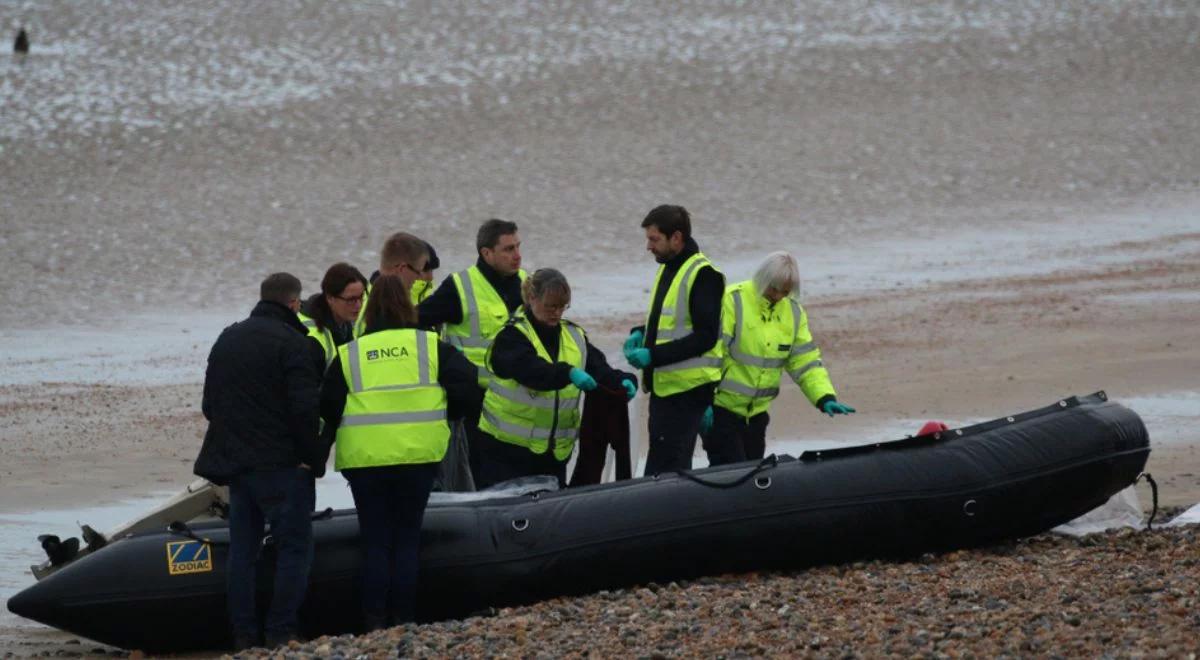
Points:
(402, 248)
(669, 219)
(491, 231)
(389, 305)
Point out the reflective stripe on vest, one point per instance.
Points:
(395, 410)
(420, 291)
(484, 314)
(360, 322)
(675, 322)
(750, 379)
(534, 419)
(323, 337)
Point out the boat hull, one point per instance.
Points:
(1003, 479)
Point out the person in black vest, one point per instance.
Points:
(261, 401)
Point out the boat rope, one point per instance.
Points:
(1153, 495)
(180, 528)
(768, 462)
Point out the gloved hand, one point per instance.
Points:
(639, 357)
(581, 379)
(706, 421)
(832, 408)
(633, 341)
(630, 389)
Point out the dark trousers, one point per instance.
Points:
(605, 424)
(674, 424)
(284, 498)
(454, 472)
(474, 453)
(734, 438)
(501, 461)
(391, 505)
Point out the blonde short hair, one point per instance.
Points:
(545, 281)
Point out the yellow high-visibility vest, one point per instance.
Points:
(323, 337)
(675, 322)
(762, 341)
(360, 324)
(395, 411)
(484, 314)
(529, 418)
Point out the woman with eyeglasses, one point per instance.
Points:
(387, 400)
(541, 364)
(330, 314)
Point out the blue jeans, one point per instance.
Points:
(391, 505)
(283, 497)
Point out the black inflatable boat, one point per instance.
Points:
(1007, 478)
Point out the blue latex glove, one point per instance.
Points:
(639, 357)
(630, 389)
(633, 341)
(832, 408)
(706, 421)
(581, 379)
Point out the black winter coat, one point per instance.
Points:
(513, 356)
(261, 397)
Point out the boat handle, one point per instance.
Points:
(762, 483)
(520, 525)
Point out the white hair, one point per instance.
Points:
(779, 271)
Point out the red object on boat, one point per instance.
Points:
(931, 427)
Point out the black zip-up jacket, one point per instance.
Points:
(444, 305)
(704, 304)
(260, 397)
(456, 374)
(513, 356)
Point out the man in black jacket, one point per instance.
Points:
(261, 401)
(677, 348)
(472, 305)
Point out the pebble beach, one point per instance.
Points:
(1121, 594)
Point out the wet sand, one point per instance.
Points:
(993, 207)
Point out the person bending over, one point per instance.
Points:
(540, 363)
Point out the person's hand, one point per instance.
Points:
(582, 380)
(639, 357)
(630, 389)
(832, 408)
(633, 341)
(706, 421)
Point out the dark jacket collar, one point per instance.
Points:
(690, 247)
(491, 275)
(273, 310)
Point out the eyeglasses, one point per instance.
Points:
(350, 299)
(555, 308)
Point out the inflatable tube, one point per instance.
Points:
(1008, 478)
